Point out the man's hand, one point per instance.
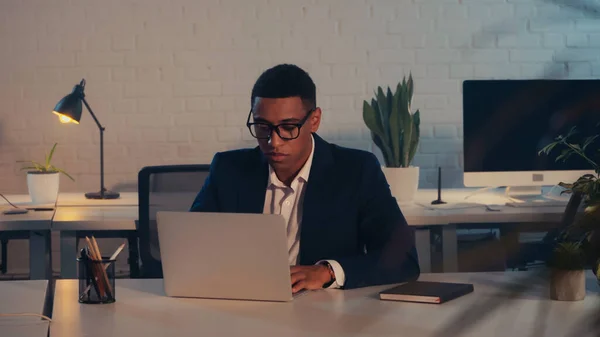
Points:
(309, 277)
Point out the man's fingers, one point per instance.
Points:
(298, 276)
(299, 286)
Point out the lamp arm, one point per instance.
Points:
(92, 113)
(101, 128)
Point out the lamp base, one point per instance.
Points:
(98, 195)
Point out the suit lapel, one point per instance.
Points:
(316, 197)
(251, 195)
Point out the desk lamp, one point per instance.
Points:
(68, 110)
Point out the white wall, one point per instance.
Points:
(171, 79)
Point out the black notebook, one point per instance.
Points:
(426, 292)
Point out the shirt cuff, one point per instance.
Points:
(338, 271)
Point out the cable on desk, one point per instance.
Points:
(479, 191)
(10, 203)
(27, 314)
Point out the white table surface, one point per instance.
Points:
(79, 199)
(74, 199)
(23, 297)
(30, 221)
(95, 218)
(420, 213)
(38, 225)
(141, 309)
(472, 209)
(75, 212)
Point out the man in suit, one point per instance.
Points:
(344, 228)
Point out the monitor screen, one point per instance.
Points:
(507, 122)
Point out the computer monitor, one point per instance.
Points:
(507, 122)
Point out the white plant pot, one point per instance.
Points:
(567, 285)
(404, 183)
(43, 187)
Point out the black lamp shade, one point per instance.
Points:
(69, 108)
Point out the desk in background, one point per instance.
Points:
(80, 214)
(100, 221)
(142, 309)
(24, 297)
(76, 215)
(68, 199)
(35, 226)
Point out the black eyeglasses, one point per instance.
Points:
(285, 131)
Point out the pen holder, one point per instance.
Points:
(96, 281)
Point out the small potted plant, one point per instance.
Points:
(579, 243)
(395, 131)
(567, 269)
(43, 179)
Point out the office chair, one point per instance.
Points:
(163, 188)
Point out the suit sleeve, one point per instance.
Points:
(390, 254)
(207, 199)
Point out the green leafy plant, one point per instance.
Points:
(567, 256)
(46, 167)
(579, 243)
(394, 129)
(588, 184)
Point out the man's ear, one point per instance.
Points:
(315, 120)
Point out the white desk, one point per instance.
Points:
(112, 221)
(34, 225)
(76, 213)
(23, 297)
(78, 199)
(141, 309)
(474, 210)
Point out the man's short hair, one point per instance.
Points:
(285, 80)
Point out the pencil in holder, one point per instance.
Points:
(96, 280)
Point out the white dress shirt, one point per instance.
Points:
(288, 201)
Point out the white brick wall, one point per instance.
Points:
(171, 79)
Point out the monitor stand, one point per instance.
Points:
(526, 192)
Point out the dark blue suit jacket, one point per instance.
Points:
(349, 214)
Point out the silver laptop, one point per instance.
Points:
(224, 255)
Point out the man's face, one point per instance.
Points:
(281, 153)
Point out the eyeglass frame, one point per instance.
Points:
(276, 127)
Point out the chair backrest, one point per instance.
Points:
(163, 188)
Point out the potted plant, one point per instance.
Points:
(577, 245)
(567, 272)
(43, 179)
(395, 131)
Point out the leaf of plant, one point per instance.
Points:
(38, 166)
(548, 148)
(384, 111)
(29, 168)
(414, 142)
(406, 125)
(65, 173)
(588, 141)
(396, 129)
(49, 157)
(410, 86)
(565, 154)
(386, 156)
(373, 122)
